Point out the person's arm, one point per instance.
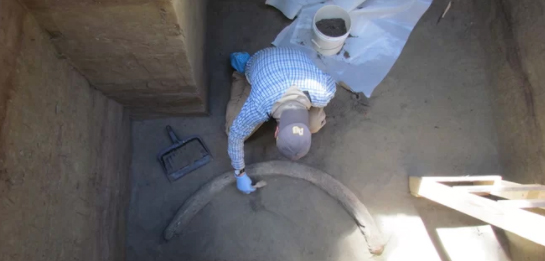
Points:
(248, 119)
(322, 96)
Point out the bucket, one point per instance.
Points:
(324, 44)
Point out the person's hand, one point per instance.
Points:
(244, 183)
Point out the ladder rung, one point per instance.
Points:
(523, 203)
(464, 178)
(496, 188)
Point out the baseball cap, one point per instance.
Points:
(294, 137)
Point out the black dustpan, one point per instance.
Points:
(183, 156)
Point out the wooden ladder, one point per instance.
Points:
(464, 194)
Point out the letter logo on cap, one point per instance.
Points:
(297, 130)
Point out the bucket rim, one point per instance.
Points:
(320, 33)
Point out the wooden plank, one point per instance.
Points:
(494, 188)
(523, 223)
(514, 195)
(465, 178)
(481, 180)
(414, 186)
(523, 203)
(517, 195)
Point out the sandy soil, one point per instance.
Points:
(430, 116)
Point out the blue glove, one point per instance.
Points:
(244, 184)
(239, 60)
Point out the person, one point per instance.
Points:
(284, 84)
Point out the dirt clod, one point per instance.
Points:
(332, 27)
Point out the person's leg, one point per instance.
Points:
(240, 90)
(316, 119)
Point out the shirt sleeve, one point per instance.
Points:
(247, 120)
(325, 94)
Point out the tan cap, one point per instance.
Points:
(294, 137)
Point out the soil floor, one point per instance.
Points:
(430, 116)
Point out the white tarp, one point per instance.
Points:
(380, 29)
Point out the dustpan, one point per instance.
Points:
(183, 156)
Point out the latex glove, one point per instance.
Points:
(244, 184)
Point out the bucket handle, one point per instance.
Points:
(316, 43)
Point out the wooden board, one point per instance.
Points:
(497, 189)
(523, 223)
(520, 194)
(495, 178)
(523, 203)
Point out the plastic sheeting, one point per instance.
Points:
(380, 29)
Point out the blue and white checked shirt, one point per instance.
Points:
(271, 72)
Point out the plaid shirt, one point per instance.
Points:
(271, 72)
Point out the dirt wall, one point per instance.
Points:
(191, 16)
(134, 51)
(514, 39)
(516, 43)
(64, 153)
(525, 52)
